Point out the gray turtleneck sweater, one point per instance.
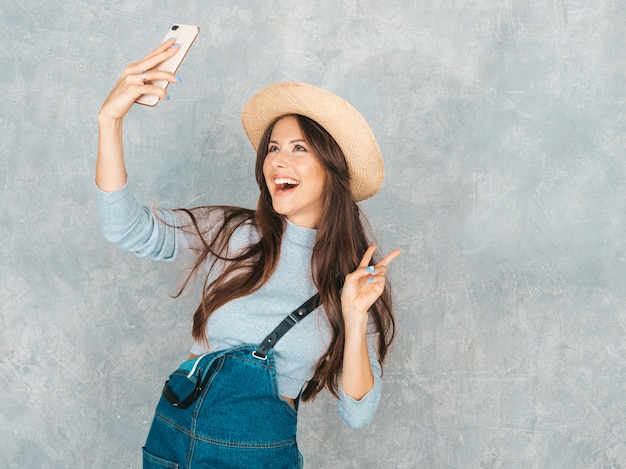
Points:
(249, 319)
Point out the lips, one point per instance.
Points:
(285, 185)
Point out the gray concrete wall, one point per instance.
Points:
(503, 128)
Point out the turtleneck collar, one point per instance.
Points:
(299, 235)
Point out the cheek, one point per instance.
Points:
(321, 177)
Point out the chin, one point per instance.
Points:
(279, 212)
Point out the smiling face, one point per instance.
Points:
(293, 174)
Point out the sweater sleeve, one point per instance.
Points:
(358, 414)
(135, 228)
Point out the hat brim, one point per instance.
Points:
(343, 122)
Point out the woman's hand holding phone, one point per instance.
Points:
(131, 85)
(145, 81)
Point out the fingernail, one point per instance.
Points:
(176, 45)
(369, 268)
(171, 39)
(179, 79)
(167, 96)
(370, 280)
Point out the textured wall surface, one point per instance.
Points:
(503, 125)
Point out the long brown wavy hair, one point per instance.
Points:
(343, 235)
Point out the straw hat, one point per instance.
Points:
(340, 119)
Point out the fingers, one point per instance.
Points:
(378, 272)
(375, 273)
(389, 257)
(367, 257)
(163, 53)
(150, 82)
(165, 45)
(157, 56)
(153, 75)
(153, 90)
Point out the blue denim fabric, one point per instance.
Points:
(238, 420)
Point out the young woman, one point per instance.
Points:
(234, 402)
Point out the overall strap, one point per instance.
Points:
(291, 320)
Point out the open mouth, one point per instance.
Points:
(284, 185)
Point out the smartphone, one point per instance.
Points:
(185, 34)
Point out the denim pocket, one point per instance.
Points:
(185, 385)
(182, 390)
(154, 462)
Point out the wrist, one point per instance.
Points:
(108, 122)
(355, 326)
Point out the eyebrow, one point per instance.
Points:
(291, 141)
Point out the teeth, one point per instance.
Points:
(291, 182)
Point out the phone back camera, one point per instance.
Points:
(174, 28)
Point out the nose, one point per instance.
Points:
(279, 159)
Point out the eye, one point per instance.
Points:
(272, 148)
(299, 148)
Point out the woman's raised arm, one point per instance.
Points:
(135, 81)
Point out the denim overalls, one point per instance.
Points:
(223, 410)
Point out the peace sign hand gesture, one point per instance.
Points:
(364, 286)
